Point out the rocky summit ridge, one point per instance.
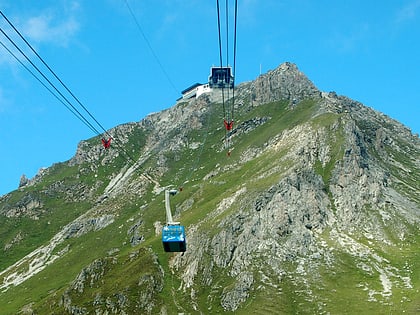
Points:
(315, 211)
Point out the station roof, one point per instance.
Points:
(191, 87)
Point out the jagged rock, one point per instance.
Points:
(85, 225)
(23, 181)
(232, 298)
(89, 276)
(284, 83)
(118, 300)
(149, 284)
(292, 210)
(27, 309)
(30, 205)
(248, 126)
(16, 240)
(134, 233)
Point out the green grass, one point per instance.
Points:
(344, 284)
(335, 140)
(334, 289)
(55, 212)
(89, 246)
(401, 151)
(36, 232)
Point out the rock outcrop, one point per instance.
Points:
(318, 190)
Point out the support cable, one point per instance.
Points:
(221, 67)
(228, 118)
(228, 108)
(70, 106)
(45, 86)
(74, 109)
(140, 29)
(227, 32)
(234, 58)
(220, 55)
(54, 74)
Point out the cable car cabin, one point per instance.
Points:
(221, 77)
(173, 238)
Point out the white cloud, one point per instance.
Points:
(55, 22)
(51, 28)
(408, 12)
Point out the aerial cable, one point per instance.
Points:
(221, 67)
(232, 101)
(234, 58)
(140, 29)
(45, 86)
(106, 143)
(71, 107)
(220, 55)
(228, 106)
(227, 31)
(133, 162)
(74, 111)
(195, 164)
(227, 44)
(55, 75)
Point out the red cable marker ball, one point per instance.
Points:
(106, 143)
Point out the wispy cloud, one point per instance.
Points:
(57, 24)
(50, 28)
(408, 12)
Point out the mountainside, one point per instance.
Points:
(315, 211)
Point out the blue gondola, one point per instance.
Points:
(173, 238)
(173, 234)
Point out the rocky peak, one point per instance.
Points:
(320, 192)
(285, 82)
(23, 180)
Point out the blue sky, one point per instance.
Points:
(366, 50)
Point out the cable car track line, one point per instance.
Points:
(234, 56)
(229, 104)
(81, 117)
(70, 106)
(54, 74)
(45, 86)
(140, 29)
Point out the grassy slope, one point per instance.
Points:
(55, 214)
(337, 289)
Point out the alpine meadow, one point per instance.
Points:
(312, 209)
